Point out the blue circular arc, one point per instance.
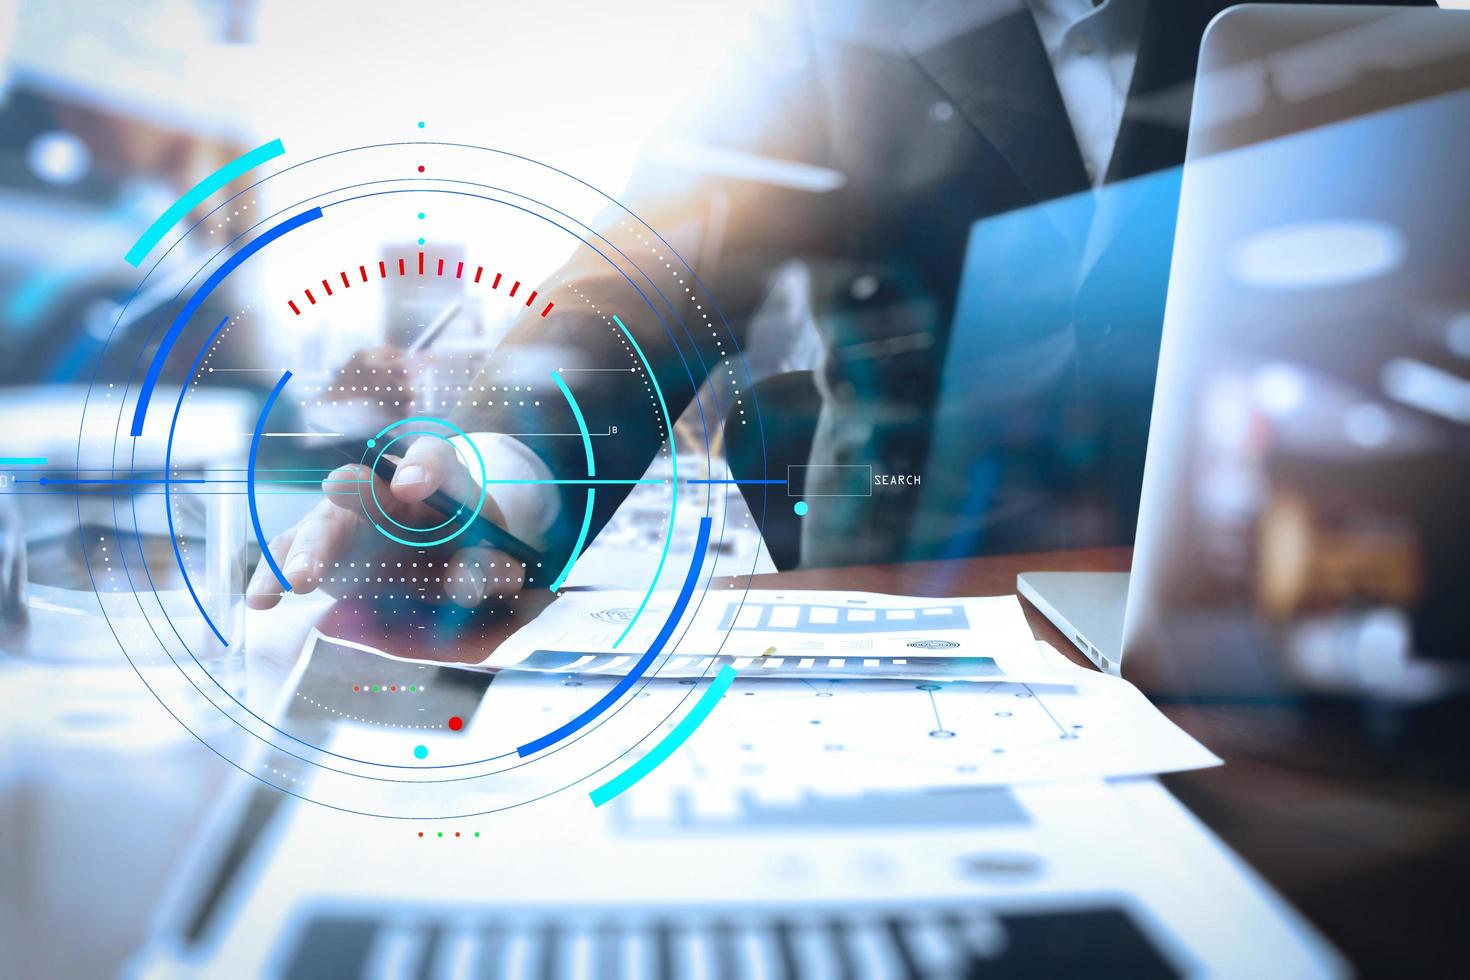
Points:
(265, 550)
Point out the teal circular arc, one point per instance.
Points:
(479, 460)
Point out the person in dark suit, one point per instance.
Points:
(939, 116)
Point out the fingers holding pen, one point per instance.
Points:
(434, 465)
(346, 486)
(429, 465)
(355, 498)
(357, 490)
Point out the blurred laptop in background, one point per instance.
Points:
(1301, 524)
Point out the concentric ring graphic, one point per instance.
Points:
(171, 619)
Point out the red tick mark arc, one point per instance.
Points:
(441, 267)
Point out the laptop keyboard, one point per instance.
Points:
(730, 944)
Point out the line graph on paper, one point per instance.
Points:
(783, 736)
(834, 733)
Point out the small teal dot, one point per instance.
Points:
(420, 751)
(421, 216)
(800, 508)
(372, 443)
(421, 241)
(421, 124)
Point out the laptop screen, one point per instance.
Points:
(1302, 514)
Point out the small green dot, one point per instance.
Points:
(421, 241)
(375, 687)
(477, 833)
(441, 833)
(412, 688)
(800, 508)
(420, 751)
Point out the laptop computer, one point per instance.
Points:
(1298, 524)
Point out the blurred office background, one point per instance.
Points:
(111, 111)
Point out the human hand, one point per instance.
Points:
(337, 548)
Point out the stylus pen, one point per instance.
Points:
(481, 528)
(434, 329)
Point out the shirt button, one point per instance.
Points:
(941, 111)
(1083, 43)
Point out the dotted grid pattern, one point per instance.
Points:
(361, 719)
(408, 394)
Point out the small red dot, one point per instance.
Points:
(393, 688)
(421, 833)
(456, 833)
(421, 169)
(456, 723)
(354, 687)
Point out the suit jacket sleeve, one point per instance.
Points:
(731, 229)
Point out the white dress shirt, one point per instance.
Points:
(1092, 48)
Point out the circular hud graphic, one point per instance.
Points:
(632, 315)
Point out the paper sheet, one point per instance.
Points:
(1033, 716)
(784, 629)
(835, 735)
(794, 735)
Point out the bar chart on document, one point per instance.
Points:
(791, 634)
(844, 690)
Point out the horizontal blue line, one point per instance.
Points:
(212, 469)
(47, 481)
(145, 392)
(756, 482)
(159, 493)
(580, 482)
